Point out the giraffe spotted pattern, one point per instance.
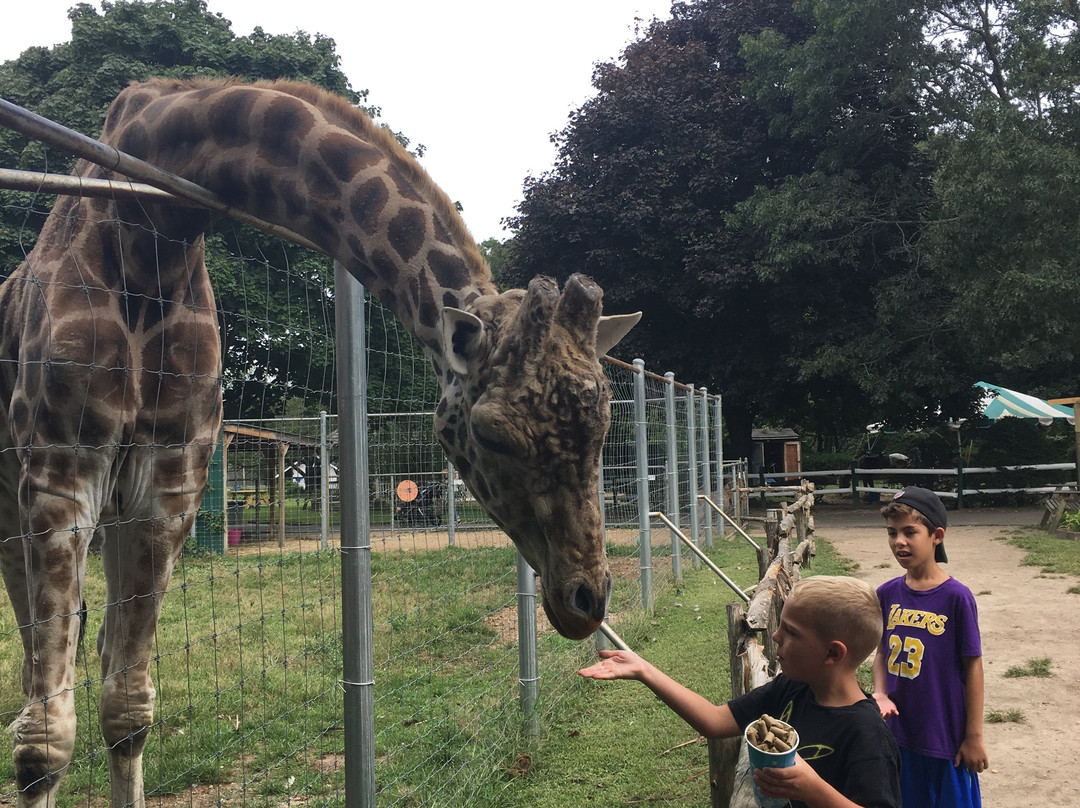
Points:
(110, 382)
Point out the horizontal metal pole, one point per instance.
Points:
(66, 184)
(708, 561)
(40, 128)
(780, 489)
(613, 638)
(730, 521)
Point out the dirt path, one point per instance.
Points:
(1024, 615)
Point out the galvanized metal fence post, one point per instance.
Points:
(736, 476)
(692, 472)
(528, 669)
(672, 509)
(357, 618)
(641, 445)
(718, 441)
(600, 640)
(706, 479)
(603, 504)
(451, 504)
(324, 480)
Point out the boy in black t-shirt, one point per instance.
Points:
(847, 756)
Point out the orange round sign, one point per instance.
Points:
(406, 491)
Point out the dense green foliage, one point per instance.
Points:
(860, 209)
(73, 83)
(834, 230)
(647, 172)
(832, 212)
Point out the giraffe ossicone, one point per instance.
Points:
(110, 383)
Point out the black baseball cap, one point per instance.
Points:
(929, 505)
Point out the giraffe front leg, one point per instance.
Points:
(138, 556)
(44, 740)
(44, 732)
(13, 558)
(13, 564)
(127, 712)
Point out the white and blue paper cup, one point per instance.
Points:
(760, 759)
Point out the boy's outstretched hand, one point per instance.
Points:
(615, 665)
(704, 716)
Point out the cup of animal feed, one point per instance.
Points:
(770, 744)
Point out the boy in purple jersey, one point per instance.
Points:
(928, 674)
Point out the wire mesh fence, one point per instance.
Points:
(248, 654)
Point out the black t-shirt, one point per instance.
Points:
(850, 748)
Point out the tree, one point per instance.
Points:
(647, 171)
(497, 254)
(1005, 90)
(74, 82)
(973, 279)
(840, 233)
(748, 179)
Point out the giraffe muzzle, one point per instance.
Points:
(582, 610)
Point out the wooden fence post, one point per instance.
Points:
(724, 752)
(751, 650)
(772, 539)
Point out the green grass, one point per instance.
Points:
(1033, 667)
(248, 662)
(1048, 552)
(1004, 717)
(614, 743)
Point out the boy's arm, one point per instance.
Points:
(973, 754)
(884, 703)
(710, 720)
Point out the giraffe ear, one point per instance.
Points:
(462, 336)
(611, 329)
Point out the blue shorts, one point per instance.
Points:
(927, 782)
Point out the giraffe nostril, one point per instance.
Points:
(587, 603)
(583, 599)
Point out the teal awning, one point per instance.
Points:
(1000, 402)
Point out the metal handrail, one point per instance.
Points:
(708, 561)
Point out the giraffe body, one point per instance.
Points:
(110, 383)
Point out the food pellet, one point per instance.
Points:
(770, 735)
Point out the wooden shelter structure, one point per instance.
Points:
(275, 446)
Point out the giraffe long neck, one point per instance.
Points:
(294, 155)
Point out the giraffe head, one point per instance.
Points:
(523, 417)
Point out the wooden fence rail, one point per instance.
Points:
(948, 483)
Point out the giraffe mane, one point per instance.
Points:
(355, 120)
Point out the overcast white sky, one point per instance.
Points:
(482, 84)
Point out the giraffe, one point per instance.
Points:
(110, 382)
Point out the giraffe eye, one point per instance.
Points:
(487, 435)
(492, 431)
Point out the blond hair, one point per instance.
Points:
(842, 608)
